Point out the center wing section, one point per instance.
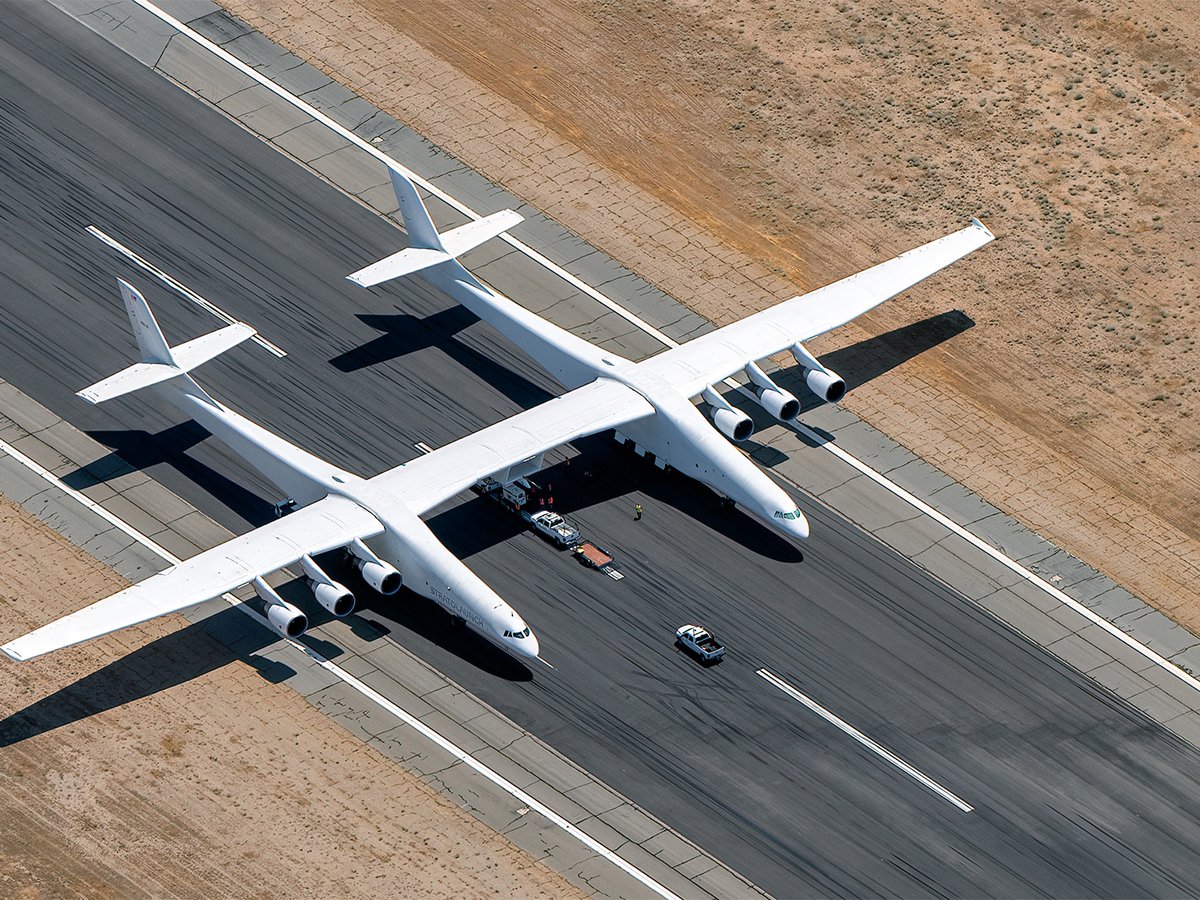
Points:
(428, 480)
(720, 353)
(317, 528)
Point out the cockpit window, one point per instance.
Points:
(794, 514)
(519, 635)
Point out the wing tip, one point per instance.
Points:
(12, 652)
(987, 231)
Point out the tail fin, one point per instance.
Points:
(425, 246)
(160, 362)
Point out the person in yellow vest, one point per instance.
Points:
(637, 511)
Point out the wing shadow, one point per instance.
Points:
(228, 636)
(868, 359)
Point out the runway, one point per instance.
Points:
(1073, 792)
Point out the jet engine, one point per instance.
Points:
(827, 385)
(334, 597)
(282, 616)
(733, 423)
(383, 577)
(782, 404)
(380, 575)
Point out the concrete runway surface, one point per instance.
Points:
(1074, 793)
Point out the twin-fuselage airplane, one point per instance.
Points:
(378, 520)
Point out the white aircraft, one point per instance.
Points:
(378, 520)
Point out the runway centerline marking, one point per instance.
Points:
(182, 289)
(318, 116)
(908, 769)
(370, 693)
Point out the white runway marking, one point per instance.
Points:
(180, 288)
(862, 467)
(423, 447)
(845, 726)
(490, 774)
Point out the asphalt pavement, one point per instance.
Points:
(1074, 793)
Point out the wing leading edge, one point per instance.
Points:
(720, 353)
(317, 528)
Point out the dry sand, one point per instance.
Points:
(221, 785)
(733, 152)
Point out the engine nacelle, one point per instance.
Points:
(732, 423)
(827, 385)
(782, 404)
(333, 596)
(382, 576)
(287, 619)
(282, 616)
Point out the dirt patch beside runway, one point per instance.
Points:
(204, 780)
(730, 152)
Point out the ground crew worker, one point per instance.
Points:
(637, 511)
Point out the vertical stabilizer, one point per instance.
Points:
(149, 336)
(418, 224)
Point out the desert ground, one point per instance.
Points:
(220, 785)
(736, 153)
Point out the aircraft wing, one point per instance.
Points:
(428, 480)
(317, 528)
(720, 353)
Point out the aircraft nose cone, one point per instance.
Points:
(797, 528)
(531, 650)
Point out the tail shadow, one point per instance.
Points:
(137, 451)
(404, 334)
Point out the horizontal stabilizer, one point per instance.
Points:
(186, 357)
(454, 243)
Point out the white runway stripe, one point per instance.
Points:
(180, 288)
(871, 745)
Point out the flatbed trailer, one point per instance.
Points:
(596, 557)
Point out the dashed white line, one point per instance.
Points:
(646, 327)
(370, 693)
(180, 288)
(875, 747)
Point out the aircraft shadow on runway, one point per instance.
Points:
(603, 472)
(404, 334)
(138, 451)
(866, 360)
(228, 636)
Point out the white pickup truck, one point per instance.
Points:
(555, 527)
(698, 641)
